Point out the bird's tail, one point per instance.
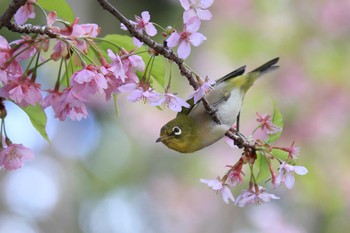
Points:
(267, 67)
(250, 77)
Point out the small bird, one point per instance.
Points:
(193, 128)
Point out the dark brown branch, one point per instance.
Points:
(168, 53)
(10, 12)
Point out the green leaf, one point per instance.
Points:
(280, 154)
(38, 118)
(62, 8)
(264, 170)
(158, 69)
(277, 119)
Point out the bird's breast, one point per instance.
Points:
(228, 110)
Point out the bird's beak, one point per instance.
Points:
(159, 139)
(162, 138)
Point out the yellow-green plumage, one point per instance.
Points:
(193, 128)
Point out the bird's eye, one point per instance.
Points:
(177, 131)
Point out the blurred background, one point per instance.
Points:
(107, 174)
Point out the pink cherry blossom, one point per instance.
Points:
(286, 174)
(202, 90)
(196, 8)
(293, 152)
(254, 197)
(8, 70)
(25, 12)
(142, 24)
(116, 65)
(60, 50)
(221, 188)
(66, 103)
(132, 63)
(13, 156)
(25, 49)
(235, 175)
(88, 81)
(173, 102)
(189, 36)
(112, 82)
(140, 92)
(51, 18)
(77, 35)
(266, 126)
(22, 91)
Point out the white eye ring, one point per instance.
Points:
(177, 131)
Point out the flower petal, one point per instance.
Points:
(204, 14)
(173, 40)
(150, 29)
(145, 16)
(300, 170)
(289, 181)
(184, 49)
(206, 3)
(197, 38)
(185, 4)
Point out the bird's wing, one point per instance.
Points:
(233, 74)
(216, 96)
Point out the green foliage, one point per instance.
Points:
(38, 118)
(277, 119)
(280, 154)
(63, 10)
(263, 165)
(158, 68)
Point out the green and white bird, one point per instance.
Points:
(193, 128)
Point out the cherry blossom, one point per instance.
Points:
(14, 155)
(266, 126)
(76, 33)
(218, 186)
(132, 63)
(173, 102)
(51, 18)
(198, 94)
(196, 8)
(25, 12)
(235, 176)
(88, 81)
(253, 196)
(142, 24)
(66, 103)
(22, 91)
(140, 92)
(293, 151)
(8, 70)
(25, 49)
(189, 36)
(286, 174)
(116, 66)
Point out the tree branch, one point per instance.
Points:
(29, 28)
(168, 53)
(10, 12)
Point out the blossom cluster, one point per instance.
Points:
(257, 194)
(80, 77)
